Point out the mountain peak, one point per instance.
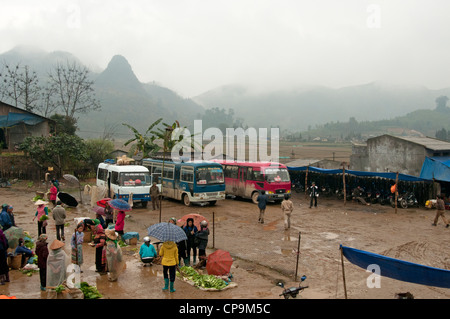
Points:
(119, 74)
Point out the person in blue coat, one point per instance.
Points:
(147, 252)
(262, 200)
(5, 218)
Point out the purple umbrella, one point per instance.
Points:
(99, 210)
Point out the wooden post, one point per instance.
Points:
(214, 233)
(343, 272)
(343, 181)
(298, 256)
(396, 192)
(306, 181)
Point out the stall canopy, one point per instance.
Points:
(399, 269)
(437, 168)
(13, 119)
(388, 175)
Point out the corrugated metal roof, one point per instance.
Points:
(427, 142)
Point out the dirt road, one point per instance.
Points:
(263, 254)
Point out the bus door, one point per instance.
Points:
(242, 181)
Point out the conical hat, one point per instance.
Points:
(56, 244)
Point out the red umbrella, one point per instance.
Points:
(219, 263)
(196, 217)
(102, 202)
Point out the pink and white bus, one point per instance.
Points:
(248, 179)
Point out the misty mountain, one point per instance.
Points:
(123, 97)
(305, 107)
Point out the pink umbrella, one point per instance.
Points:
(99, 210)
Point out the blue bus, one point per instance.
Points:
(189, 182)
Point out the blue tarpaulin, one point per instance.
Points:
(388, 175)
(399, 269)
(437, 168)
(13, 119)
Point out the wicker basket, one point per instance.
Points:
(15, 261)
(87, 236)
(133, 241)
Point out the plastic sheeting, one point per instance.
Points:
(388, 175)
(13, 119)
(437, 168)
(399, 269)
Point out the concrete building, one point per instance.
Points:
(388, 153)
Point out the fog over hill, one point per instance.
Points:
(125, 99)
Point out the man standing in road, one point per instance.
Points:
(262, 203)
(154, 195)
(313, 193)
(59, 215)
(440, 206)
(287, 207)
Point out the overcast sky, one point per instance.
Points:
(194, 46)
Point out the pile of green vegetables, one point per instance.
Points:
(90, 292)
(204, 281)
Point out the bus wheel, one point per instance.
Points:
(186, 200)
(213, 202)
(255, 197)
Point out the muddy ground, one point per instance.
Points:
(263, 254)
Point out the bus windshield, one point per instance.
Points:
(276, 175)
(209, 175)
(134, 179)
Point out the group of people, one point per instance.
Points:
(286, 206)
(172, 253)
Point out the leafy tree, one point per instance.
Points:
(64, 124)
(63, 151)
(442, 134)
(97, 150)
(145, 143)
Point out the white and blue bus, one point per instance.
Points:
(189, 182)
(121, 181)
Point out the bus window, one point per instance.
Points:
(134, 179)
(276, 175)
(115, 178)
(209, 175)
(187, 175)
(102, 174)
(168, 172)
(254, 175)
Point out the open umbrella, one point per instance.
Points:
(167, 232)
(219, 263)
(74, 180)
(67, 199)
(99, 210)
(120, 204)
(13, 234)
(196, 217)
(102, 202)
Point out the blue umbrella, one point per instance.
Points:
(120, 204)
(167, 232)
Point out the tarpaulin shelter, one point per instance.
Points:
(388, 175)
(397, 269)
(437, 168)
(12, 119)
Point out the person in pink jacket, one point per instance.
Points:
(120, 222)
(53, 194)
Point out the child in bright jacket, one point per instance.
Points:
(169, 255)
